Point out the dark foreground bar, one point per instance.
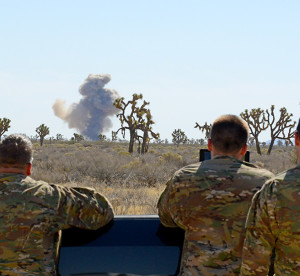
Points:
(130, 245)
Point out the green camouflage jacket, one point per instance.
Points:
(274, 223)
(32, 213)
(210, 201)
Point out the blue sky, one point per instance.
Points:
(193, 60)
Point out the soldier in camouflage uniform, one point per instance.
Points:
(33, 212)
(273, 224)
(210, 201)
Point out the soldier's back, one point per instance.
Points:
(28, 239)
(32, 215)
(210, 201)
(285, 191)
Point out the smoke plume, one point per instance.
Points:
(91, 115)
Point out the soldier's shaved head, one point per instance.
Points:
(229, 133)
(15, 151)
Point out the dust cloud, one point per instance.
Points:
(91, 115)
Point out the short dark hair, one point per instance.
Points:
(15, 151)
(298, 127)
(229, 133)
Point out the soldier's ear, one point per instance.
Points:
(244, 150)
(209, 144)
(28, 169)
(297, 141)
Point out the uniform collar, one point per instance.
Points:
(12, 175)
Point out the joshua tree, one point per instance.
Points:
(287, 143)
(77, 137)
(130, 121)
(139, 118)
(179, 137)
(114, 137)
(201, 141)
(159, 141)
(205, 128)
(42, 131)
(102, 137)
(145, 124)
(257, 123)
(4, 126)
(279, 143)
(277, 128)
(59, 137)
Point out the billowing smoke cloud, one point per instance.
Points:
(91, 115)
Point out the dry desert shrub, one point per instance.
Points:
(281, 159)
(132, 182)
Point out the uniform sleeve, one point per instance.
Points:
(164, 207)
(81, 207)
(261, 232)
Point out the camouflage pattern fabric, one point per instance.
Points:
(33, 213)
(210, 201)
(274, 223)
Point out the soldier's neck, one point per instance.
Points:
(236, 155)
(13, 170)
